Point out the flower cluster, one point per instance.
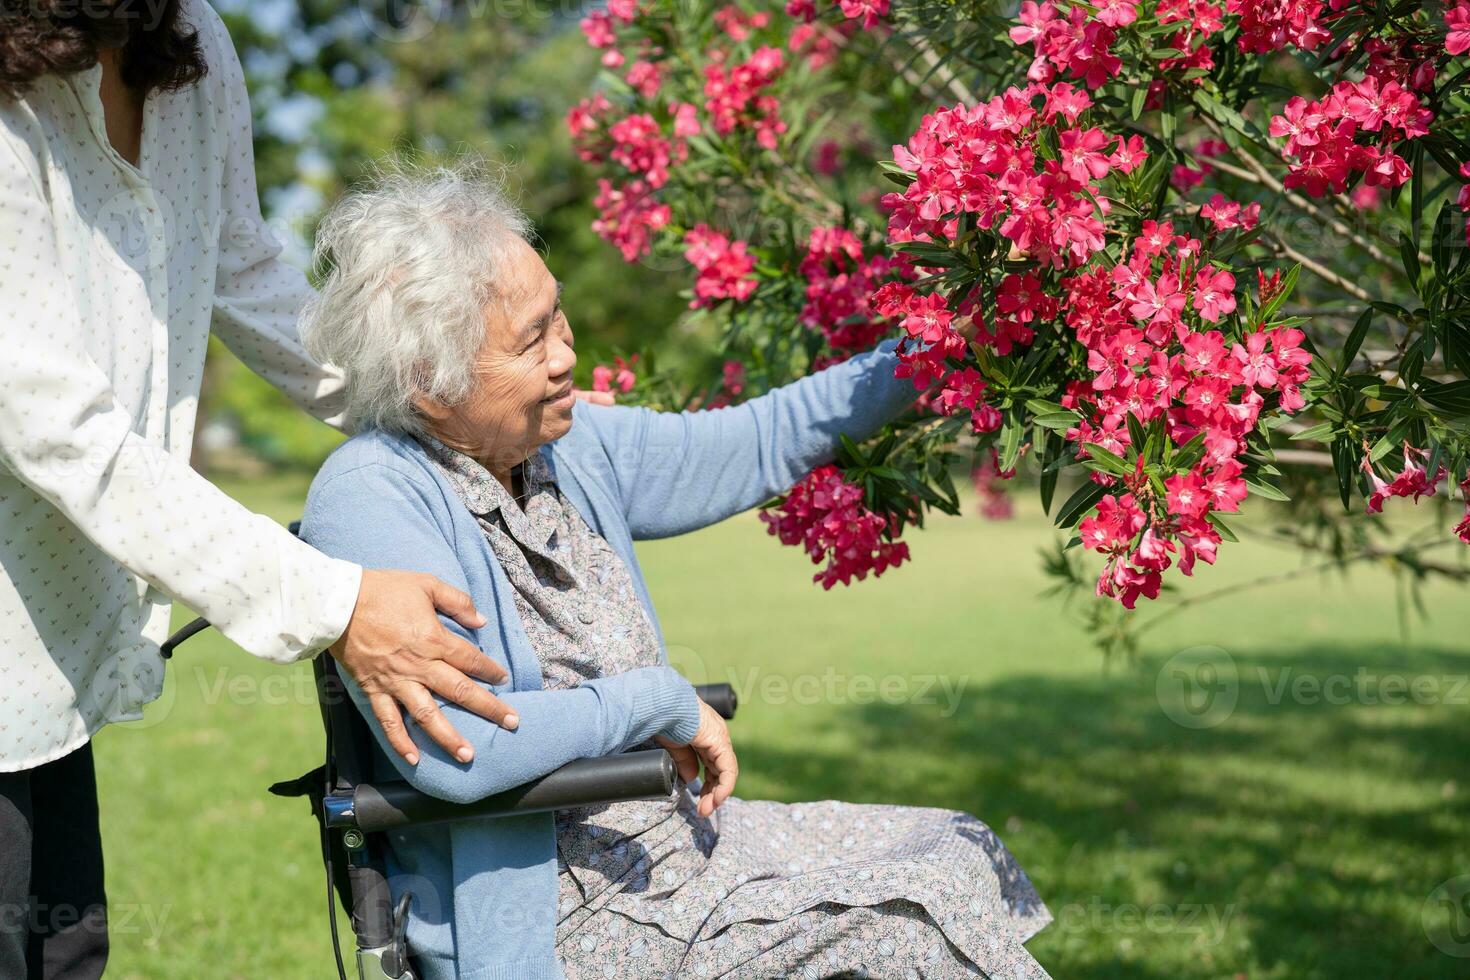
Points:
(628, 216)
(1270, 25)
(871, 11)
(1412, 481)
(1156, 356)
(724, 266)
(840, 284)
(824, 514)
(735, 96)
(601, 31)
(983, 162)
(1462, 529)
(1079, 43)
(989, 481)
(1457, 20)
(639, 145)
(1323, 137)
(620, 375)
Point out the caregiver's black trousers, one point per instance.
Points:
(53, 911)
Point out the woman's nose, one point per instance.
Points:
(563, 358)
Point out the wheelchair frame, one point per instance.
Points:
(353, 813)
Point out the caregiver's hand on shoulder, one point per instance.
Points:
(400, 654)
(712, 747)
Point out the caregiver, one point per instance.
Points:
(129, 228)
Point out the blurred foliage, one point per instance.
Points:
(492, 80)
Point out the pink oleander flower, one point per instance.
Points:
(628, 216)
(1462, 529)
(1411, 481)
(825, 515)
(598, 28)
(871, 11)
(620, 375)
(1270, 25)
(989, 482)
(1224, 214)
(1457, 19)
(725, 268)
(840, 286)
(735, 96)
(1322, 149)
(644, 77)
(639, 145)
(1214, 293)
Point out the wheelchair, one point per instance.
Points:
(353, 814)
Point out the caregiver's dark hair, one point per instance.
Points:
(45, 37)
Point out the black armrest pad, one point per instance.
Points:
(645, 775)
(721, 697)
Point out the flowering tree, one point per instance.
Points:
(1159, 250)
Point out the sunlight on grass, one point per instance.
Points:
(1298, 837)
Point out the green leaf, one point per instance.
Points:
(1410, 256)
(1354, 342)
(1214, 518)
(1266, 490)
(851, 448)
(1345, 464)
(1040, 406)
(1136, 435)
(1083, 500)
(1107, 460)
(1453, 398)
(1317, 433)
(1056, 420)
(1010, 445)
(1048, 478)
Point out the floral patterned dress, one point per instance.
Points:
(759, 889)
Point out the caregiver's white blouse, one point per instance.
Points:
(111, 278)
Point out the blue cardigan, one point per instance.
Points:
(485, 905)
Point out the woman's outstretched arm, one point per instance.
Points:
(678, 471)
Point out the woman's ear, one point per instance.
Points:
(431, 408)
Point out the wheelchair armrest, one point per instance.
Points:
(374, 807)
(721, 697)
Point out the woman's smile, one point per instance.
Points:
(562, 400)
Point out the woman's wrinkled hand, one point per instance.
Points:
(400, 654)
(712, 747)
(967, 328)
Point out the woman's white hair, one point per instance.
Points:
(416, 254)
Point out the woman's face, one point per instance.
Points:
(522, 397)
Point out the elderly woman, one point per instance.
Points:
(475, 462)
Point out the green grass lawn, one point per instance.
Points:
(1302, 834)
